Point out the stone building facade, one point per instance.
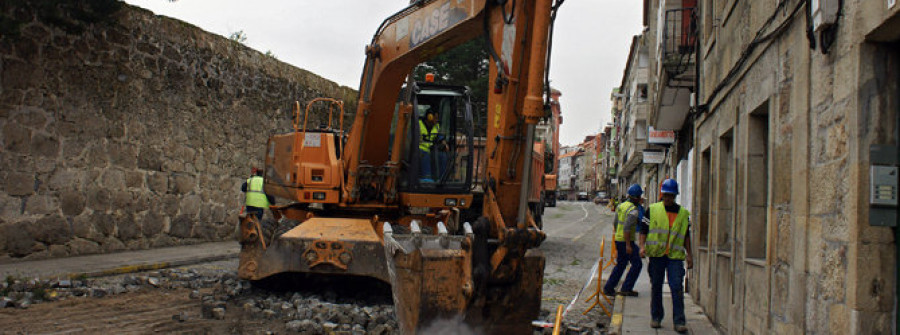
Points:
(130, 131)
(780, 214)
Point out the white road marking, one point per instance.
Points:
(582, 220)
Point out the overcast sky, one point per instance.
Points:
(328, 37)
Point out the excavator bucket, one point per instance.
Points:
(335, 246)
(434, 288)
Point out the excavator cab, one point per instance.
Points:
(439, 154)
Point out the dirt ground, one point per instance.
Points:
(572, 247)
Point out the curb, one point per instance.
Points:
(615, 324)
(148, 266)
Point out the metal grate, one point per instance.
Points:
(679, 40)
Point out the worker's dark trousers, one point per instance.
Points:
(659, 268)
(255, 211)
(622, 260)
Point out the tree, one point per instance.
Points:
(466, 65)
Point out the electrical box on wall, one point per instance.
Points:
(884, 185)
(824, 13)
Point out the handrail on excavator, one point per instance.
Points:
(331, 108)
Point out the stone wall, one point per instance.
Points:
(824, 268)
(128, 130)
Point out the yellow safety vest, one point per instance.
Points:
(428, 137)
(255, 195)
(622, 213)
(662, 240)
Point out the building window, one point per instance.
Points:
(640, 130)
(725, 194)
(704, 198)
(757, 183)
(642, 92)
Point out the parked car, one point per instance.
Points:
(601, 198)
(583, 196)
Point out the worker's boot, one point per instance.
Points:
(655, 324)
(681, 329)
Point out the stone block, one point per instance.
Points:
(834, 272)
(835, 228)
(31, 117)
(190, 205)
(99, 199)
(205, 231)
(41, 204)
(66, 179)
(140, 201)
(134, 179)
(71, 203)
(168, 205)
(57, 251)
(152, 224)
(124, 155)
(870, 278)
(19, 184)
(83, 227)
(97, 155)
(113, 179)
(112, 245)
(181, 226)
(830, 187)
(80, 246)
(44, 145)
(838, 319)
(19, 239)
(158, 182)
(871, 323)
(104, 223)
(217, 213)
(128, 230)
(53, 229)
(122, 199)
(181, 183)
(149, 159)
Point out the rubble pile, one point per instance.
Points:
(311, 308)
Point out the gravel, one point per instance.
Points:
(314, 308)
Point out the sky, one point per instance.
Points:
(328, 37)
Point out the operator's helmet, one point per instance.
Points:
(669, 186)
(635, 190)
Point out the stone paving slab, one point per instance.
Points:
(122, 262)
(635, 312)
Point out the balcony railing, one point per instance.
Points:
(679, 40)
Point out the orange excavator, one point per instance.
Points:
(383, 199)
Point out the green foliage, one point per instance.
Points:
(238, 36)
(465, 65)
(552, 281)
(575, 261)
(269, 53)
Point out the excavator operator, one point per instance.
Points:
(429, 130)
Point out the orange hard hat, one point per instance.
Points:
(254, 169)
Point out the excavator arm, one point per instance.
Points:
(492, 278)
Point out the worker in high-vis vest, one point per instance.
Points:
(256, 200)
(628, 216)
(666, 240)
(429, 140)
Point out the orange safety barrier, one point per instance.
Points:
(603, 265)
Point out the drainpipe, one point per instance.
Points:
(897, 227)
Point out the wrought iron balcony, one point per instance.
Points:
(679, 41)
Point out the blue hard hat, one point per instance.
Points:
(635, 190)
(669, 186)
